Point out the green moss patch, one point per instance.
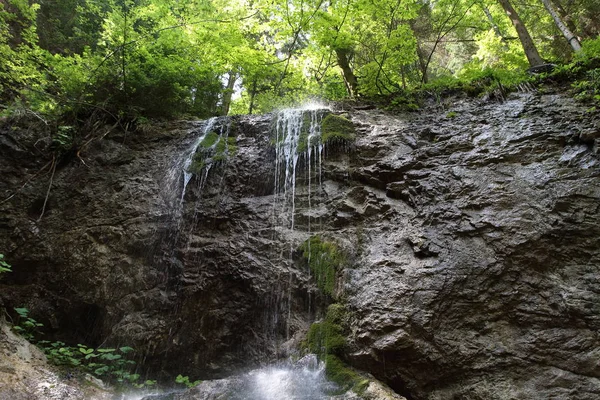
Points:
(209, 140)
(327, 340)
(335, 129)
(324, 259)
(213, 148)
(327, 336)
(345, 377)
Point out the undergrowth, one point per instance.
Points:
(581, 75)
(112, 365)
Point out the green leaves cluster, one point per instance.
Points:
(26, 326)
(67, 59)
(4, 266)
(110, 364)
(185, 380)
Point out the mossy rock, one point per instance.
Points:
(324, 260)
(327, 339)
(209, 140)
(327, 336)
(214, 148)
(336, 129)
(345, 377)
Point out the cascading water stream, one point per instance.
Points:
(297, 145)
(297, 137)
(181, 165)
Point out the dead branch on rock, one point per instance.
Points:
(49, 188)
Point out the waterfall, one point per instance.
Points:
(298, 149)
(178, 174)
(297, 139)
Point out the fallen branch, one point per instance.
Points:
(49, 187)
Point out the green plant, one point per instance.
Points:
(4, 266)
(327, 340)
(63, 139)
(26, 326)
(451, 114)
(185, 380)
(324, 260)
(110, 364)
(588, 87)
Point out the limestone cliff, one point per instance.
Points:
(470, 228)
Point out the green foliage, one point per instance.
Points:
(110, 364)
(25, 325)
(403, 101)
(185, 380)
(22, 59)
(324, 259)
(590, 51)
(588, 88)
(4, 266)
(69, 60)
(64, 138)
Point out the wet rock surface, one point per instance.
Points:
(473, 242)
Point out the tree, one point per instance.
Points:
(567, 33)
(529, 47)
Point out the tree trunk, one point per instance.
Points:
(490, 18)
(531, 52)
(228, 93)
(349, 77)
(565, 16)
(571, 38)
(422, 64)
(252, 96)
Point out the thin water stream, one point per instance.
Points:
(297, 143)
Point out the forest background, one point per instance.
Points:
(130, 60)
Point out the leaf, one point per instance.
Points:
(106, 350)
(23, 312)
(101, 370)
(126, 349)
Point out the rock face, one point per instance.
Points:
(471, 231)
